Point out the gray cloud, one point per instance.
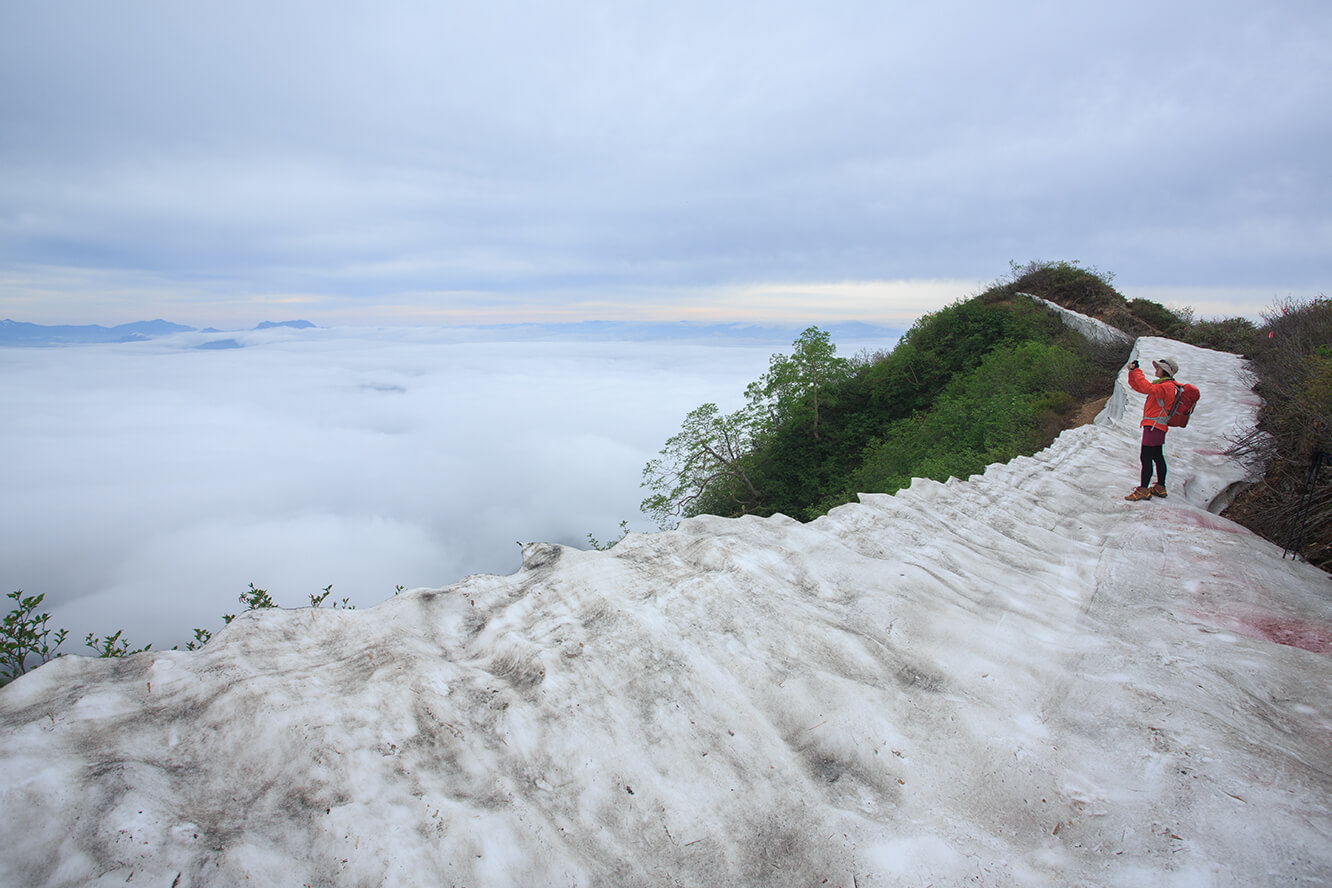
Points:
(370, 150)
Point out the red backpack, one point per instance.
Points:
(1186, 398)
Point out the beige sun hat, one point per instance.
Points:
(1169, 365)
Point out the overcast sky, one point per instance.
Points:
(348, 162)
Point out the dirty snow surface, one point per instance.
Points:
(1016, 679)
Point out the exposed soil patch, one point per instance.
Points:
(1087, 411)
(1082, 413)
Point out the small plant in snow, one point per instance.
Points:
(318, 600)
(24, 635)
(253, 599)
(600, 546)
(26, 641)
(113, 645)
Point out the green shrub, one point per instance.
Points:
(609, 544)
(113, 645)
(996, 412)
(26, 641)
(318, 600)
(1158, 316)
(1085, 290)
(25, 637)
(1236, 335)
(952, 340)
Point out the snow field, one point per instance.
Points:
(1013, 679)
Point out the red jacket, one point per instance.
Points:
(1160, 395)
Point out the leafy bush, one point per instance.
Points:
(951, 340)
(609, 544)
(318, 600)
(998, 411)
(1084, 290)
(254, 599)
(25, 637)
(1158, 316)
(1236, 335)
(113, 645)
(27, 642)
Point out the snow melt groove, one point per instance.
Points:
(1015, 679)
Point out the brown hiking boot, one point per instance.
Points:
(1139, 493)
(1159, 490)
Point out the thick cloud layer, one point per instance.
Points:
(413, 159)
(147, 484)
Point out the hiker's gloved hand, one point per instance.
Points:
(1134, 365)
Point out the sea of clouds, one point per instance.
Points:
(147, 484)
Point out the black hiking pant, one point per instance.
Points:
(1153, 456)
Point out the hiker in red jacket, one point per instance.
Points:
(1155, 419)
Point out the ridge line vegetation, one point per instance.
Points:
(989, 378)
(979, 381)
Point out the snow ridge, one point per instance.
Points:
(1093, 328)
(1014, 679)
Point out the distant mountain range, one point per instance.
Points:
(299, 325)
(20, 333)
